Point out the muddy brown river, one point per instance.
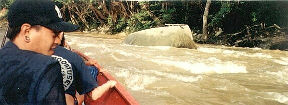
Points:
(209, 75)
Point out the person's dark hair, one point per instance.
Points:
(62, 41)
(12, 32)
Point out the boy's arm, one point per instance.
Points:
(100, 90)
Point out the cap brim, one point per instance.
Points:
(62, 26)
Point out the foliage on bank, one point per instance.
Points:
(241, 23)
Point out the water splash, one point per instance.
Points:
(127, 54)
(280, 75)
(233, 53)
(282, 61)
(176, 76)
(88, 53)
(209, 50)
(280, 97)
(202, 68)
(85, 45)
(135, 81)
(164, 48)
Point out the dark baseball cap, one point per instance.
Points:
(38, 12)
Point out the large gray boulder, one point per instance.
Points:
(179, 36)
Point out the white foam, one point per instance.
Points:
(103, 48)
(213, 59)
(202, 68)
(260, 55)
(222, 88)
(73, 38)
(209, 50)
(85, 45)
(282, 61)
(116, 58)
(233, 53)
(256, 48)
(177, 77)
(280, 97)
(281, 75)
(219, 68)
(127, 54)
(88, 53)
(160, 47)
(229, 52)
(135, 81)
(239, 53)
(123, 73)
(70, 42)
(128, 45)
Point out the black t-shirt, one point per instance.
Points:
(29, 78)
(79, 78)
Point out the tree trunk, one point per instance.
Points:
(205, 17)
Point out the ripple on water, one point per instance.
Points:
(282, 61)
(281, 75)
(122, 52)
(85, 45)
(233, 53)
(88, 53)
(209, 50)
(160, 47)
(202, 68)
(280, 97)
(136, 81)
(176, 76)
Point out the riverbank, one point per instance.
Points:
(3, 23)
(95, 34)
(278, 42)
(99, 35)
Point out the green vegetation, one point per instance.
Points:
(5, 3)
(241, 23)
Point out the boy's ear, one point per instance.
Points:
(24, 32)
(26, 27)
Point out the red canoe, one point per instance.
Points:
(115, 96)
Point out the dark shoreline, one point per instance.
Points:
(277, 43)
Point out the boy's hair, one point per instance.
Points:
(12, 32)
(62, 41)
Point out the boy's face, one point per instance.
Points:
(43, 40)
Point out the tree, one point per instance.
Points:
(205, 17)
